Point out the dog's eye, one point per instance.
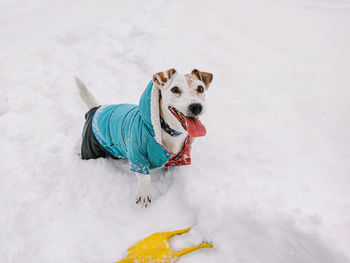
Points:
(176, 90)
(200, 89)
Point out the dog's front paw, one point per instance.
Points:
(143, 199)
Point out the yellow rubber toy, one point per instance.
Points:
(156, 249)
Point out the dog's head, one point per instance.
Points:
(182, 99)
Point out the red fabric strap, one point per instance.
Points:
(182, 158)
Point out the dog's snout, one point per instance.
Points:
(195, 108)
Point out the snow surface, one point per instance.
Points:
(270, 181)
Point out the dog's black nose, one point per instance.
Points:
(195, 108)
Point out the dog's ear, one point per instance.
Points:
(162, 77)
(203, 76)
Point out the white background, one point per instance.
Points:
(269, 182)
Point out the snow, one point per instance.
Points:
(268, 183)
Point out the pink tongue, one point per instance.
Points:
(194, 127)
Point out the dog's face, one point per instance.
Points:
(183, 99)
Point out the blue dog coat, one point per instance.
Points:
(133, 132)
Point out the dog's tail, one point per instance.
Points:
(86, 95)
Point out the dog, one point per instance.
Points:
(158, 132)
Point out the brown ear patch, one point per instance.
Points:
(159, 78)
(206, 77)
(162, 77)
(171, 72)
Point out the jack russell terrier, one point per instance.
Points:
(157, 132)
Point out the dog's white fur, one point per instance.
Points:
(188, 85)
(85, 94)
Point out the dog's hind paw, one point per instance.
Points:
(143, 200)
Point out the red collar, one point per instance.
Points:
(182, 158)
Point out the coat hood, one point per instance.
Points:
(149, 110)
